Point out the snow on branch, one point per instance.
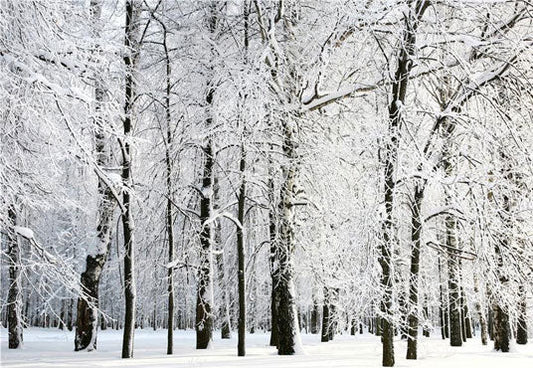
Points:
(25, 232)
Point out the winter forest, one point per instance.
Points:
(349, 182)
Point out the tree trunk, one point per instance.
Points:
(426, 330)
(14, 302)
(490, 324)
(225, 331)
(443, 314)
(416, 227)
(314, 318)
(127, 181)
(274, 270)
(287, 319)
(387, 329)
(241, 349)
(454, 307)
(399, 91)
(326, 320)
(170, 194)
(502, 328)
(87, 307)
(454, 297)
(467, 328)
(480, 313)
(69, 315)
(204, 314)
(204, 318)
(521, 328)
(332, 327)
(378, 326)
(241, 344)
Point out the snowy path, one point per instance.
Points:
(53, 348)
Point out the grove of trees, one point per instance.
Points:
(267, 165)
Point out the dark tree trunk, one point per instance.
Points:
(332, 322)
(399, 91)
(480, 313)
(501, 329)
(69, 314)
(87, 307)
(287, 319)
(441, 320)
(463, 317)
(467, 327)
(240, 258)
(170, 194)
(326, 320)
(416, 227)
(385, 326)
(241, 343)
(14, 302)
(521, 331)
(127, 181)
(490, 324)
(87, 310)
(204, 314)
(521, 328)
(443, 315)
(315, 318)
(225, 330)
(378, 326)
(204, 318)
(454, 307)
(62, 315)
(454, 296)
(274, 271)
(426, 330)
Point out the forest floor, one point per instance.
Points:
(54, 348)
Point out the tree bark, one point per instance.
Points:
(274, 270)
(241, 344)
(502, 328)
(241, 349)
(87, 306)
(127, 181)
(204, 315)
(399, 91)
(416, 227)
(287, 319)
(170, 194)
(480, 313)
(14, 302)
(225, 330)
(467, 328)
(521, 328)
(454, 297)
(453, 286)
(314, 318)
(204, 318)
(326, 320)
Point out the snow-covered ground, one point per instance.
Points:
(54, 348)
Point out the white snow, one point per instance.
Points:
(24, 232)
(54, 348)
